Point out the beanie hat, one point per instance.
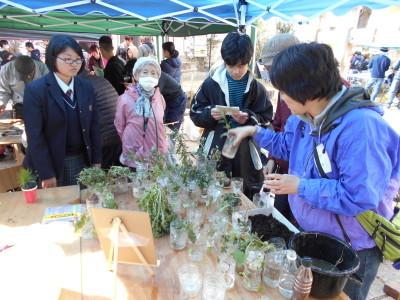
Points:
(275, 45)
(142, 62)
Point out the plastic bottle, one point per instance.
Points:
(303, 281)
(288, 275)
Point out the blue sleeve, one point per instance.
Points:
(387, 64)
(370, 63)
(278, 143)
(364, 168)
(167, 68)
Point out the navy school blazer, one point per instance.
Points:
(45, 124)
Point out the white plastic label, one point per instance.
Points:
(324, 159)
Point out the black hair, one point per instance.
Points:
(3, 42)
(306, 72)
(237, 49)
(93, 48)
(57, 45)
(105, 42)
(29, 44)
(170, 48)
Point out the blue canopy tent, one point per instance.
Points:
(165, 17)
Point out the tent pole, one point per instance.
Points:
(253, 37)
(159, 48)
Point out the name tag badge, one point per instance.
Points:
(324, 159)
(90, 107)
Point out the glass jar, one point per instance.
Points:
(178, 235)
(120, 185)
(190, 280)
(237, 185)
(174, 200)
(198, 247)
(214, 286)
(227, 266)
(273, 267)
(240, 222)
(253, 266)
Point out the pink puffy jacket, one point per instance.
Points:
(130, 127)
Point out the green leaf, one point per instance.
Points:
(239, 257)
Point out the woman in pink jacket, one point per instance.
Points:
(140, 113)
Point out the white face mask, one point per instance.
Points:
(148, 83)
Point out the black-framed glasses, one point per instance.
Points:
(70, 61)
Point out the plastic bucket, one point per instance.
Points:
(30, 195)
(327, 283)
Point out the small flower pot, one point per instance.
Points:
(30, 194)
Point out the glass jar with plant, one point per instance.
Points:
(117, 177)
(95, 179)
(253, 266)
(155, 203)
(230, 203)
(178, 234)
(203, 180)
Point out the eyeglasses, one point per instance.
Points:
(70, 61)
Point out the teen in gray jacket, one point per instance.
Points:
(13, 78)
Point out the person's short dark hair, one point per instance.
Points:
(57, 45)
(170, 48)
(93, 48)
(306, 72)
(237, 49)
(384, 49)
(128, 38)
(29, 45)
(25, 66)
(3, 42)
(105, 42)
(7, 56)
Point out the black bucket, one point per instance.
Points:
(327, 283)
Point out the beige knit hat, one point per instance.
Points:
(275, 45)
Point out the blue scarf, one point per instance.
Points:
(143, 103)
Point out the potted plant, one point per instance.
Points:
(27, 182)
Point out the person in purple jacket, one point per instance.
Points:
(358, 151)
(172, 63)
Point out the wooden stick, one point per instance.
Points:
(116, 226)
(137, 250)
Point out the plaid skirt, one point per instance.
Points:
(73, 165)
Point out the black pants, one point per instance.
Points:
(110, 155)
(18, 111)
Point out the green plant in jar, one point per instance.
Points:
(155, 203)
(118, 172)
(92, 177)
